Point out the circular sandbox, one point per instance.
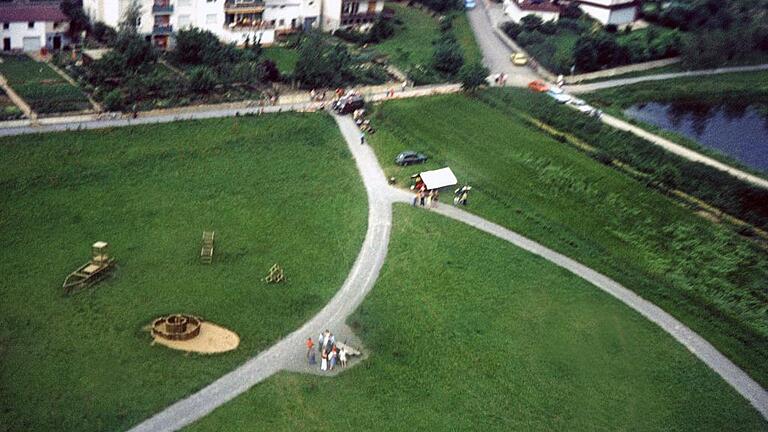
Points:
(192, 334)
(176, 327)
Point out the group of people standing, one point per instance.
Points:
(330, 354)
(426, 198)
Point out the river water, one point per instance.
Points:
(740, 132)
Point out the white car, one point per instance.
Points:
(556, 90)
(577, 102)
(589, 110)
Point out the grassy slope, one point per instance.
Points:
(709, 278)
(737, 88)
(284, 58)
(466, 38)
(275, 189)
(412, 43)
(42, 88)
(479, 335)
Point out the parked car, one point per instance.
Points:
(538, 86)
(409, 158)
(519, 59)
(469, 4)
(348, 104)
(559, 97)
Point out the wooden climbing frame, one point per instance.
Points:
(275, 274)
(206, 253)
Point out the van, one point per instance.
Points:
(349, 105)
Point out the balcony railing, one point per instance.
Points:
(257, 25)
(236, 6)
(162, 8)
(161, 29)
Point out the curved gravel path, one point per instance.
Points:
(590, 87)
(732, 374)
(288, 354)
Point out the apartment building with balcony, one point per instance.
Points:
(235, 21)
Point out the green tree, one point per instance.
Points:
(131, 17)
(447, 57)
(322, 64)
(472, 76)
(78, 20)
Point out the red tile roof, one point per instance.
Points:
(24, 13)
(538, 6)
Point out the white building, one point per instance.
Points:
(544, 9)
(32, 27)
(617, 12)
(236, 20)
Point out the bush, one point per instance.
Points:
(611, 28)
(270, 71)
(472, 76)
(113, 101)
(321, 64)
(531, 23)
(512, 29)
(527, 38)
(548, 28)
(202, 80)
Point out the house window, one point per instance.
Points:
(184, 21)
(281, 23)
(31, 24)
(6, 26)
(210, 19)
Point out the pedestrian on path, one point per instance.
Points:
(362, 138)
(323, 361)
(332, 359)
(310, 344)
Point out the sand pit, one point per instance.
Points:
(212, 339)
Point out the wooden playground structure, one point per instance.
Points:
(92, 271)
(275, 274)
(206, 252)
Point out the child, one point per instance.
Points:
(332, 358)
(343, 357)
(323, 361)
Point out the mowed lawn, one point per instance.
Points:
(467, 332)
(275, 189)
(701, 272)
(40, 86)
(284, 58)
(412, 45)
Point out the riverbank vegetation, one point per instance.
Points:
(497, 339)
(702, 272)
(85, 362)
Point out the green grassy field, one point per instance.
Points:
(412, 43)
(41, 87)
(466, 38)
(284, 58)
(466, 332)
(275, 189)
(704, 274)
(742, 88)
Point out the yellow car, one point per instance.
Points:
(519, 59)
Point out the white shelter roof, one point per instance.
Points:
(438, 178)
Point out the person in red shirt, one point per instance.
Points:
(310, 345)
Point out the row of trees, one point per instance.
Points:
(718, 31)
(595, 48)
